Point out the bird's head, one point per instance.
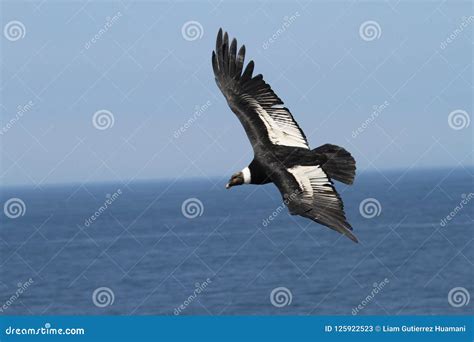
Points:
(239, 178)
(236, 179)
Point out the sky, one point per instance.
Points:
(124, 91)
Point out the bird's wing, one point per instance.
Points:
(309, 192)
(261, 112)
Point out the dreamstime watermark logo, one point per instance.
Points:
(199, 288)
(199, 110)
(287, 22)
(279, 209)
(458, 119)
(458, 297)
(281, 296)
(370, 207)
(192, 208)
(377, 287)
(14, 208)
(21, 110)
(103, 119)
(370, 30)
(377, 110)
(20, 290)
(192, 30)
(103, 296)
(110, 198)
(109, 22)
(465, 200)
(14, 30)
(47, 329)
(457, 31)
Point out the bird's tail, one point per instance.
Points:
(340, 165)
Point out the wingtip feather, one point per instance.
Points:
(351, 236)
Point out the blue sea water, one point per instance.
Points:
(153, 260)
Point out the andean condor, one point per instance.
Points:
(281, 152)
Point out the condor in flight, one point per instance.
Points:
(281, 152)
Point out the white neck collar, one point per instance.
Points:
(246, 173)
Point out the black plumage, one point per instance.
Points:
(281, 151)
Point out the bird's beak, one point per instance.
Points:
(228, 186)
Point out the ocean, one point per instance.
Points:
(194, 248)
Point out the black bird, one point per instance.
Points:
(281, 152)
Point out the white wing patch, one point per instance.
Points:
(312, 180)
(319, 195)
(281, 128)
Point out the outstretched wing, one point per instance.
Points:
(308, 192)
(266, 121)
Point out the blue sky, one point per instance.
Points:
(148, 75)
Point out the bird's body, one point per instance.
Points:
(281, 151)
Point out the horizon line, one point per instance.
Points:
(190, 178)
